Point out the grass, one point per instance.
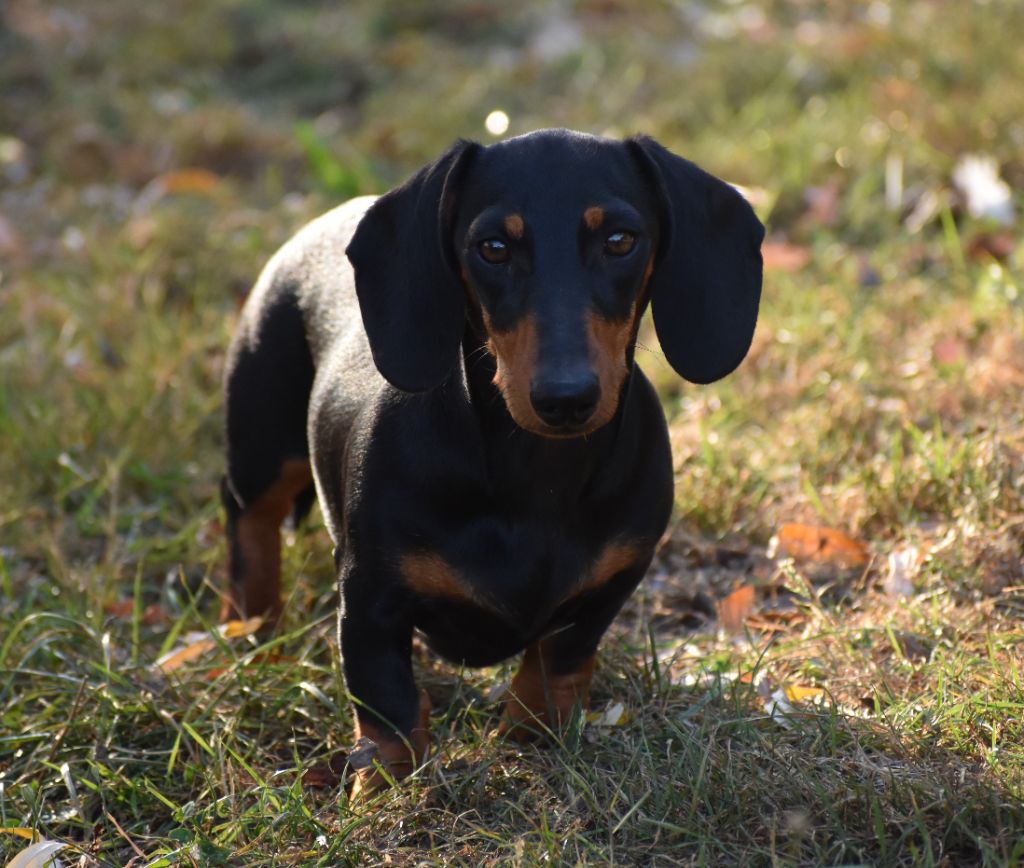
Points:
(853, 716)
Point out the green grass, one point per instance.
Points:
(882, 397)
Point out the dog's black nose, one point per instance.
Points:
(565, 403)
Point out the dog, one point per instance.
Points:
(449, 368)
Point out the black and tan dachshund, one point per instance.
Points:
(450, 368)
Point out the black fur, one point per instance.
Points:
(380, 373)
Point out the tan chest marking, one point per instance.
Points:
(429, 574)
(613, 559)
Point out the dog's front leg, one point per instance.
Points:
(376, 650)
(555, 673)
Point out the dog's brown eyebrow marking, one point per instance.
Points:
(514, 226)
(593, 217)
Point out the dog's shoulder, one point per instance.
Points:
(317, 250)
(311, 272)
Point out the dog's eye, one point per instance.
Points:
(494, 251)
(619, 243)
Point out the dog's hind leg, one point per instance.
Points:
(268, 382)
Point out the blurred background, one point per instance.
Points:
(153, 155)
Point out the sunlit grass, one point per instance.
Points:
(882, 397)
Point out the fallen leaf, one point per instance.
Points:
(734, 609)
(11, 242)
(122, 609)
(780, 709)
(198, 644)
(949, 351)
(798, 693)
(179, 657)
(782, 256)
(901, 566)
(498, 691)
(198, 181)
(820, 544)
(614, 714)
(20, 832)
(155, 614)
(997, 245)
(235, 629)
(39, 855)
(328, 774)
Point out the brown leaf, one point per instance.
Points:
(734, 609)
(998, 245)
(198, 181)
(783, 256)
(155, 614)
(328, 774)
(120, 609)
(805, 542)
(949, 350)
(11, 242)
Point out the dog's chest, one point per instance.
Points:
(507, 582)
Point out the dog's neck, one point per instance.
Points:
(564, 468)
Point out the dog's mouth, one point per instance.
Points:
(525, 415)
(557, 432)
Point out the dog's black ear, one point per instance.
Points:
(407, 280)
(706, 283)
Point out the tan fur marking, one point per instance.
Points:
(514, 226)
(257, 545)
(614, 558)
(430, 574)
(393, 753)
(538, 697)
(516, 354)
(608, 341)
(593, 217)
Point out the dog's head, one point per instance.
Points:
(554, 243)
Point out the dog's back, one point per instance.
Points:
(300, 325)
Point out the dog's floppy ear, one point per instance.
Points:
(407, 281)
(706, 283)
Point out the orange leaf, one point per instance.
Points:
(734, 609)
(234, 629)
(193, 651)
(121, 609)
(200, 181)
(822, 544)
(796, 693)
(203, 643)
